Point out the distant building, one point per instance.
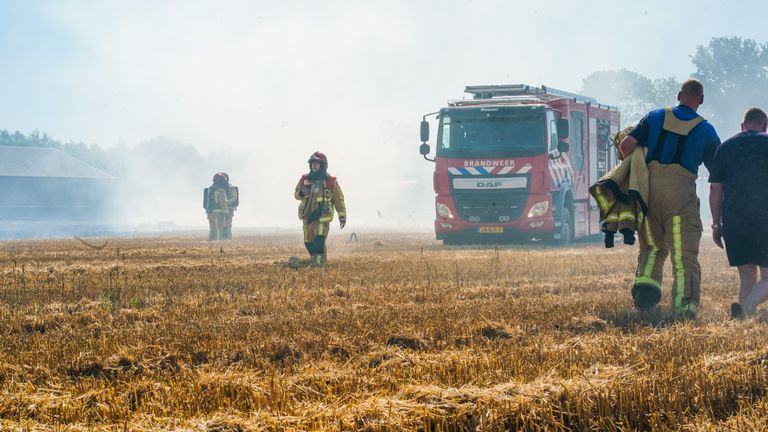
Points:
(48, 185)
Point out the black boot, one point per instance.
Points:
(645, 297)
(737, 312)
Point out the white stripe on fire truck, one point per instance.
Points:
(504, 170)
(555, 172)
(454, 171)
(524, 169)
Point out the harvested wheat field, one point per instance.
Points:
(398, 333)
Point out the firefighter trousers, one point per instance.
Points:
(217, 220)
(227, 232)
(315, 235)
(672, 228)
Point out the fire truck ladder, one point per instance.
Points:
(542, 93)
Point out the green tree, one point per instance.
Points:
(734, 72)
(665, 91)
(633, 93)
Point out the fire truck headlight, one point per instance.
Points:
(444, 211)
(539, 209)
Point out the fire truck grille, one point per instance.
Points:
(478, 206)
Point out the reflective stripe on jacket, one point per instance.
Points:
(622, 196)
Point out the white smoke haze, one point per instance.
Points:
(254, 87)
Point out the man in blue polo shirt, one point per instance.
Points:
(678, 141)
(738, 200)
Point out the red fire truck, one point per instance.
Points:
(515, 163)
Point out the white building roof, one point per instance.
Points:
(44, 162)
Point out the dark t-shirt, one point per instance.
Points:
(741, 165)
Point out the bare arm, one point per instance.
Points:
(715, 206)
(627, 146)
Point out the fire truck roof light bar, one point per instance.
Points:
(543, 92)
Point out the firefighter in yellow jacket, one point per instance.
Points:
(678, 141)
(216, 207)
(233, 200)
(319, 194)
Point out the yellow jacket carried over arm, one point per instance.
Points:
(622, 196)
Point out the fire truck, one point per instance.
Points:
(515, 163)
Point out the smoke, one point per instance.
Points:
(254, 87)
(256, 90)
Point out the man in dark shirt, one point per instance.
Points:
(738, 199)
(678, 142)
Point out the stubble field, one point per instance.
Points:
(397, 333)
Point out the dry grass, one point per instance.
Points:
(397, 334)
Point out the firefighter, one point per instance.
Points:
(677, 140)
(233, 200)
(319, 194)
(215, 204)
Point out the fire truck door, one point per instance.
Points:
(601, 160)
(578, 157)
(594, 212)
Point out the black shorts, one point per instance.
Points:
(746, 248)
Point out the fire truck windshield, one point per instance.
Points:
(483, 133)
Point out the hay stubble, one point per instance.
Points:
(397, 334)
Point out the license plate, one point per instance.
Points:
(491, 230)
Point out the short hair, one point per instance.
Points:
(692, 87)
(755, 115)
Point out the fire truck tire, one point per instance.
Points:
(454, 240)
(566, 228)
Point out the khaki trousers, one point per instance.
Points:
(672, 228)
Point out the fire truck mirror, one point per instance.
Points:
(563, 147)
(424, 131)
(563, 129)
(424, 149)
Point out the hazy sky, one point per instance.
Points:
(278, 80)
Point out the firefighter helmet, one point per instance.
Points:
(319, 157)
(220, 178)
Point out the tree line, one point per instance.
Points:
(734, 72)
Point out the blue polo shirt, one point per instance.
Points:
(700, 146)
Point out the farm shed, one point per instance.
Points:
(46, 184)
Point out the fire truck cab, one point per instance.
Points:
(515, 163)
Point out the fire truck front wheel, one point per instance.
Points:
(455, 240)
(563, 235)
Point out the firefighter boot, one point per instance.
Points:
(227, 233)
(645, 297)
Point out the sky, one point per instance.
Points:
(275, 81)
